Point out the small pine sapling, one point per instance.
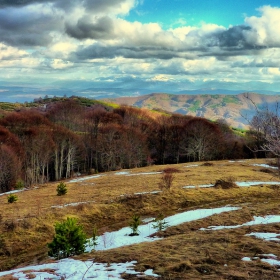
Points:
(160, 223)
(19, 185)
(61, 189)
(134, 224)
(69, 240)
(93, 241)
(12, 198)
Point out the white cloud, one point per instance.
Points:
(60, 64)
(265, 29)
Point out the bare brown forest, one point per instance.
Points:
(62, 138)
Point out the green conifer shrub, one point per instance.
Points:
(61, 189)
(94, 239)
(12, 198)
(19, 185)
(160, 223)
(69, 239)
(134, 225)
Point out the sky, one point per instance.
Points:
(111, 48)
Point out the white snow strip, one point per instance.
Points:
(77, 270)
(122, 173)
(265, 165)
(152, 192)
(246, 259)
(268, 255)
(271, 262)
(268, 236)
(115, 239)
(147, 220)
(257, 221)
(84, 178)
(248, 184)
(199, 186)
(71, 204)
(10, 192)
(239, 184)
(192, 165)
(144, 173)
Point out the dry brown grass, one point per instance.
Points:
(108, 202)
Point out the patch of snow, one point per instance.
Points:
(271, 262)
(189, 187)
(15, 191)
(115, 239)
(77, 270)
(149, 272)
(155, 192)
(268, 236)
(84, 178)
(199, 186)
(269, 255)
(192, 165)
(248, 184)
(237, 161)
(257, 221)
(147, 220)
(122, 173)
(70, 204)
(265, 165)
(144, 173)
(152, 192)
(246, 259)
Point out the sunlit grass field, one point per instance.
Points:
(109, 201)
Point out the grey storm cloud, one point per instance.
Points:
(27, 28)
(93, 5)
(100, 51)
(18, 3)
(234, 38)
(102, 5)
(103, 28)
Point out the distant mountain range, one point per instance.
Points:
(237, 109)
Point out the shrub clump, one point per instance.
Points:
(166, 181)
(227, 183)
(69, 240)
(171, 170)
(61, 189)
(12, 198)
(207, 164)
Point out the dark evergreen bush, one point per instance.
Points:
(134, 225)
(12, 198)
(61, 189)
(69, 240)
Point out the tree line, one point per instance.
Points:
(62, 138)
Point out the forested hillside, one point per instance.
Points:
(55, 139)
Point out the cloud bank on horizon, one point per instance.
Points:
(128, 47)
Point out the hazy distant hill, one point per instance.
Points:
(235, 109)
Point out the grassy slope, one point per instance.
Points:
(184, 253)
